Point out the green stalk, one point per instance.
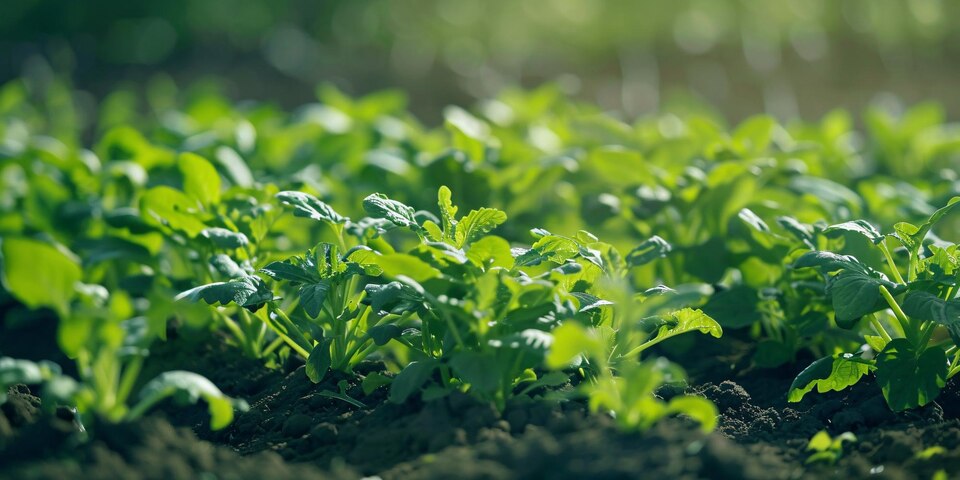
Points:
(954, 365)
(910, 331)
(926, 331)
(128, 379)
(272, 346)
(294, 345)
(875, 322)
(891, 263)
(251, 334)
(237, 332)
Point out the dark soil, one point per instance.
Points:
(294, 430)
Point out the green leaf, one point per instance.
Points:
(833, 373)
(697, 408)
(200, 179)
(735, 307)
(306, 205)
(364, 260)
(394, 297)
(476, 223)
(249, 291)
(682, 321)
(590, 302)
(829, 262)
(312, 296)
(489, 252)
(916, 237)
(382, 334)
(319, 361)
(854, 295)
(651, 249)
(395, 264)
(480, 371)
(290, 270)
(820, 442)
(378, 205)
(571, 340)
(223, 238)
(927, 306)
(374, 381)
(128, 218)
(905, 232)
(448, 214)
(237, 170)
(38, 274)
(554, 248)
(860, 227)
(411, 379)
(171, 207)
(910, 378)
(187, 388)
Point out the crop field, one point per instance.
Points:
(523, 284)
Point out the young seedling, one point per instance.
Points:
(827, 449)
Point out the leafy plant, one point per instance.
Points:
(112, 403)
(827, 449)
(913, 352)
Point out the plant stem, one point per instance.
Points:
(891, 263)
(910, 331)
(926, 331)
(129, 377)
(875, 322)
(294, 345)
(272, 346)
(954, 365)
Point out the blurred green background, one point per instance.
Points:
(785, 57)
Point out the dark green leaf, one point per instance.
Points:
(651, 249)
(319, 361)
(927, 306)
(480, 371)
(378, 205)
(249, 291)
(411, 379)
(128, 218)
(374, 381)
(226, 266)
(312, 296)
(306, 205)
(910, 378)
(291, 271)
(223, 238)
(860, 227)
(382, 334)
(394, 297)
(829, 262)
(854, 295)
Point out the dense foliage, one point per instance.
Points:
(568, 244)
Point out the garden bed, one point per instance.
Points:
(292, 431)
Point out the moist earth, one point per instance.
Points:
(294, 429)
